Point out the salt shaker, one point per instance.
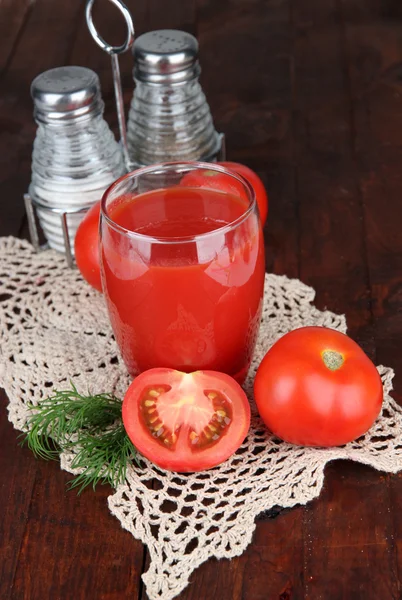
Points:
(75, 156)
(169, 118)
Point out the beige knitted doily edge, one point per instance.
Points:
(54, 328)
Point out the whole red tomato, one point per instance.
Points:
(316, 387)
(185, 422)
(255, 181)
(86, 247)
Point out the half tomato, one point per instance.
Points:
(186, 422)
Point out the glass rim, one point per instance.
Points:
(166, 166)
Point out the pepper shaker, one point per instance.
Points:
(75, 155)
(169, 118)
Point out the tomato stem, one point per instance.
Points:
(333, 360)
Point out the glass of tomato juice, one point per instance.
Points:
(182, 264)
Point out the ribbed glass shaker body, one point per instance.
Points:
(169, 117)
(75, 155)
(169, 123)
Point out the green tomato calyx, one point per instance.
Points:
(333, 360)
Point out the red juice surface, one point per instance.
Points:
(183, 303)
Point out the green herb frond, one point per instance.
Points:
(104, 457)
(90, 423)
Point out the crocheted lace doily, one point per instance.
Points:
(54, 329)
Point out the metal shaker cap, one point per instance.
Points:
(65, 93)
(165, 56)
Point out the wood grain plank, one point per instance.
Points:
(73, 548)
(348, 537)
(333, 246)
(13, 15)
(246, 76)
(172, 14)
(30, 57)
(55, 543)
(46, 43)
(256, 117)
(110, 24)
(375, 77)
(347, 530)
(270, 568)
(18, 469)
(320, 119)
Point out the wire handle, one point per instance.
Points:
(114, 52)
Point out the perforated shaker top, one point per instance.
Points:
(65, 93)
(166, 56)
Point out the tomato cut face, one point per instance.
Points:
(186, 422)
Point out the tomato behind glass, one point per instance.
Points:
(256, 182)
(316, 387)
(186, 422)
(214, 180)
(86, 247)
(205, 178)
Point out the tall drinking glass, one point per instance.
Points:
(182, 264)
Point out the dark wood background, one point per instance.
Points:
(309, 93)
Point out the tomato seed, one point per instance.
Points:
(149, 402)
(154, 394)
(151, 410)
(154, 419)
(212, 395)
(157, 427)
(221, 413)
(194, 438)
(212, 428)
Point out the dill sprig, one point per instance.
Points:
(91, 425)
(104, 458)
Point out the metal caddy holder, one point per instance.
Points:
(31, 203)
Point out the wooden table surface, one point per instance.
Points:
(309, 93)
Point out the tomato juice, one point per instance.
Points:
(183, 275)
